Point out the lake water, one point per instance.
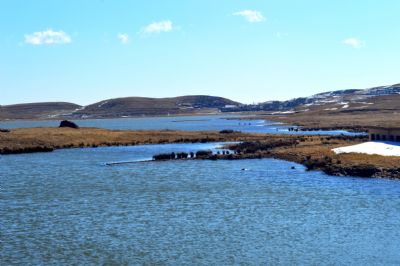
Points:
(189, 123)
(68, 208)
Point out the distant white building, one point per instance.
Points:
(230, 106)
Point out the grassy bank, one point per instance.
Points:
(315, 152)
(47, 139)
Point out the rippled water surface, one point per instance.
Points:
(67, 207)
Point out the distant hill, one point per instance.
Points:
(377, 98)
(346, 109)
(37, 110)
(113, 108)
(136, 106)
(384, 99)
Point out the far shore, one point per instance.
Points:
(313, 151)
(304, 123)
(57, 118)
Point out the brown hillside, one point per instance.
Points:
(134, 106)
(36, 110)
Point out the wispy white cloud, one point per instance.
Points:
(354, 42)
(251, 16)
(157, 27)
(47, 37)
(123, 37)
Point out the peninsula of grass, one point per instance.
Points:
(26, 140)
(315, 151)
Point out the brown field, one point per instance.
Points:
(358, 121)
(320, 148)
(43, 110)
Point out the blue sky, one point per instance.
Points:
(249, 51)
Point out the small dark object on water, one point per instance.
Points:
(3, 130)
(66, 123)
(292, 167)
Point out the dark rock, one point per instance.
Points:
(203, 154)
(213, 157)
(66, 123)
(6, 151)
(227, 131)
(362, 170)
(164, 156)
(182, 155)
(3, 130)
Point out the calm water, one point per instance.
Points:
(67, 207)
(191, 123)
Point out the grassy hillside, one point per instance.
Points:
(360, 114)
(114, 108)
(134, 106)
(36, 110)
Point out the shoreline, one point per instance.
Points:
(5, 120)
(313, 151)
(43, 139)
(302, 126)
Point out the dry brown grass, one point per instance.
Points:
(339, 120)
(316, 148)
(91, 137)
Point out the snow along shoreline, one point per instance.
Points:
(372, 147)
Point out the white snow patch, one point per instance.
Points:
(372, 147)
(284, 112)
(329, 101)
(345, 106)
(80, 108)
(330, 109)
(363, 103)
(103, 103)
